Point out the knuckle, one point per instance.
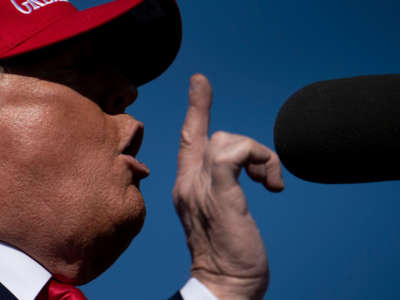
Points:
(186, 138)
(244, 147)
(177, 193)
(181, 191)
(274, 162)
(219, 136)
(274, 159)
(177, 198)
(247, 144)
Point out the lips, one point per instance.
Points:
(131, 149)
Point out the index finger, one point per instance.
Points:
(194, 134)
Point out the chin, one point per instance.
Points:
(106, 249)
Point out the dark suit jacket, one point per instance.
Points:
(6, 295)
(177, 296)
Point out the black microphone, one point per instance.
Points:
(342, 131)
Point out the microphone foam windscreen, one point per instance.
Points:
(342, 131)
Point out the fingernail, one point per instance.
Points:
(197, 81)
(194, 84)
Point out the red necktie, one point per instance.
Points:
(55, 290)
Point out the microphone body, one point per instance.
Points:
(342, 131)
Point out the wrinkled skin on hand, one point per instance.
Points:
(228, 253)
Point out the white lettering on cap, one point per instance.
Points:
(29, 6)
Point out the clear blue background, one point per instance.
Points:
(323, 241)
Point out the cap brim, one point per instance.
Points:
(142, 38)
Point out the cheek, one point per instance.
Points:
(55, 154)
(73, 167)
(60, 172)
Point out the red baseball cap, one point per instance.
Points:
(141, 37)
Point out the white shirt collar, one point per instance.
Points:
(20, 274)
(195, 290)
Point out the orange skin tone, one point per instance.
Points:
(74, 204)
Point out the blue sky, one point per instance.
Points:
(323, 241)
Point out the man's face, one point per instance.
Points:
(67, 157)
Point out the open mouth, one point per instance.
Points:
(131, 149)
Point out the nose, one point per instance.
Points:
(130, 132)
(120, 98)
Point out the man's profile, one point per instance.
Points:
(70, 180)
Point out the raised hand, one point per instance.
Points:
(228, 254)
